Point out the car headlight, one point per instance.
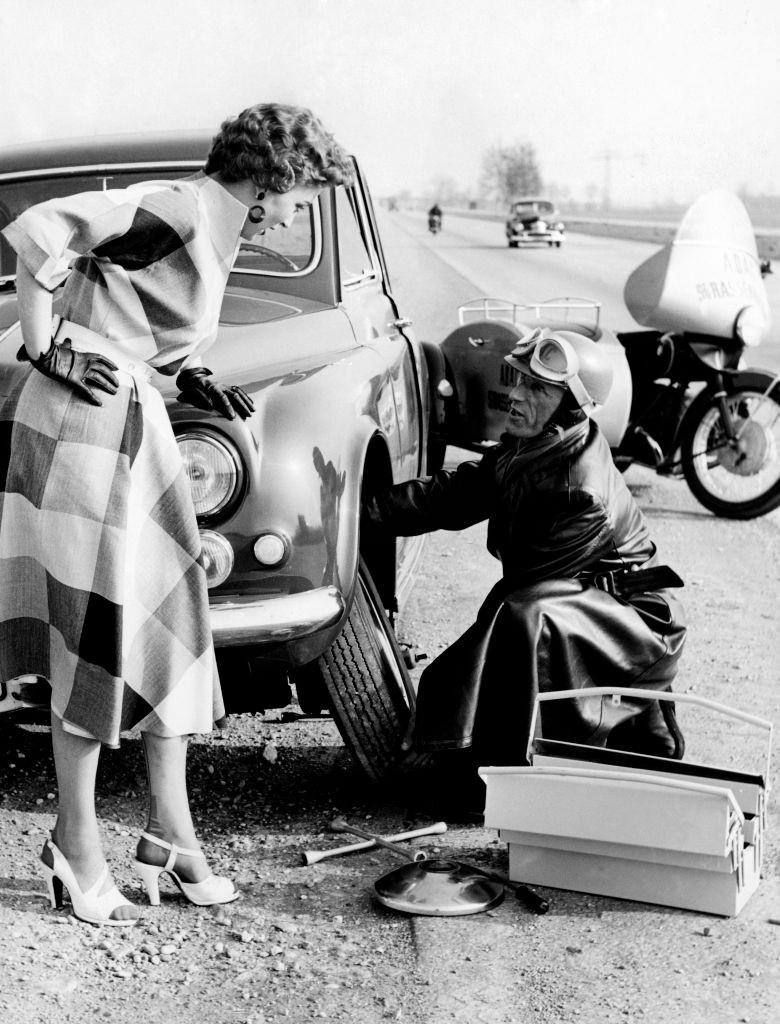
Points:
(750, 325)
(214, 471)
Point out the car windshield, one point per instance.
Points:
(287, 253)
(536, 206)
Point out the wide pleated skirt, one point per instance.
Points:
(102, 590)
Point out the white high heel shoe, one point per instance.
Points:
(212, 890)
(92, 906)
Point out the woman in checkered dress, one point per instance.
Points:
(101, 587)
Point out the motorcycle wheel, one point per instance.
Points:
(735, 484)
(368, 686)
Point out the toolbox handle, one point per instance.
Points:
(683, 698)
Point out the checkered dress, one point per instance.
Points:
(101, 586)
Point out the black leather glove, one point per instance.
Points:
(196, 389)
(81, 371)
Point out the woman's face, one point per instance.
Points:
(280, 208)
(532, 404)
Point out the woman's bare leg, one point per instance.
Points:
(76, 831)
(169, 815)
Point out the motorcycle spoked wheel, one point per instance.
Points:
(734, 484)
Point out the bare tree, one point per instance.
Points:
(510, 171)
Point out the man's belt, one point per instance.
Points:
(627, 582)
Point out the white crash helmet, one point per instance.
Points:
(568, 360)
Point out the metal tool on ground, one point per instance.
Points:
(339, 825)
(527, 896)
(314, 856)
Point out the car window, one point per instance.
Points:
(287, 251)
(354, 258)
(18, 196)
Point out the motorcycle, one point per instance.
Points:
(683, 401)
(434, 223)
(697, 411)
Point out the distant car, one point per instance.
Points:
(534, 220)
(310, 328)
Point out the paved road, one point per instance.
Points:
(586, 266)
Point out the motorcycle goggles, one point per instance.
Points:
(553, 361)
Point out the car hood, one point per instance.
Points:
(263, 337)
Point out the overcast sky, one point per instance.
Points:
(670, 97)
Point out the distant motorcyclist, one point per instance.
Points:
(434, 218)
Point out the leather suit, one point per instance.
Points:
(560, 517)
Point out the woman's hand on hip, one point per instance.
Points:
(82, 371)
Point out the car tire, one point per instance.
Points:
(369, 689)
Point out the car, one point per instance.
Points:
(534, 220)
(345, 405)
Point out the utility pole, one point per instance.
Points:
(608, 156)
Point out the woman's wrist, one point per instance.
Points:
(35, 312)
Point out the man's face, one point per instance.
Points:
(533, 402)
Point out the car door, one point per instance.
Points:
(376, 325)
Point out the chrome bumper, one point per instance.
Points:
(274, 619)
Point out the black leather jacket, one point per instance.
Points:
(559, 513)
(556, 507)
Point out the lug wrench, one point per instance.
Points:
(314, 856)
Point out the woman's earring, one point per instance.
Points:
(257, 213)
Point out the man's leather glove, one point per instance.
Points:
(196, 389)
(81, 371)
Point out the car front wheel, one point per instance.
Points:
(369, 689)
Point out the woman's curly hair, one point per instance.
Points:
(278, 147)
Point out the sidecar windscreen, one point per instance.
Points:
(705, 277)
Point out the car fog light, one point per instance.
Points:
(445, 389)
(217, 557)
(271, 550)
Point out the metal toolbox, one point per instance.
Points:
(633, 826)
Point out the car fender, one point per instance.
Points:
(304, 450)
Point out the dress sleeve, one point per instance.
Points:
(445, 501)
(130, 227)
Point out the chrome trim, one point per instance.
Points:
(271, 619)
(353, 282)
(71, 171)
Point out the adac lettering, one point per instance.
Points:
(731, 289)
